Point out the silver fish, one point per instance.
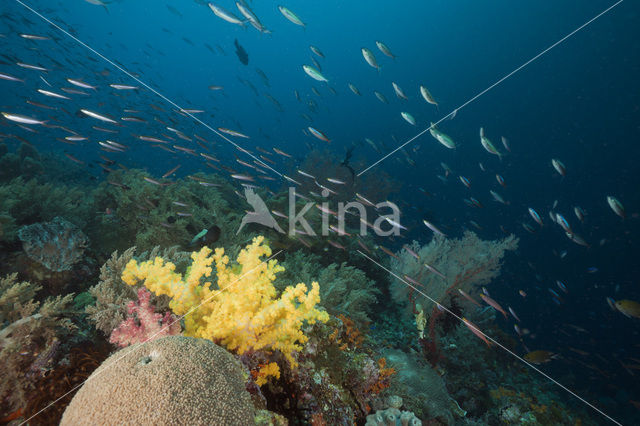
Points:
(225, 15)
(370, 58)
(21, 118)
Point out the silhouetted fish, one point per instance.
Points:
(242, 54)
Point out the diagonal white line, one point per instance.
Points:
(93, 376)
(496, 342)
(166, 99)
(492, 86)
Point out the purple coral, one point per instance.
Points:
(143, 323)
(57, 245)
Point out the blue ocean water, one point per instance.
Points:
(577, 102)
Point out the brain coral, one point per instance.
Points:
(174, 380)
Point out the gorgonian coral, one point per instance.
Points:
(464, 263)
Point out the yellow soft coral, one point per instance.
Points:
(265, 371)
(241, 310)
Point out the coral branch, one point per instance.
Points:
(143, 323)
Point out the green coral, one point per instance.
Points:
(344, 289)
(111, 294)
(24, 202)
(148, 215)
(25, 162)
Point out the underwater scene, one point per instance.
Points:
(319, 212)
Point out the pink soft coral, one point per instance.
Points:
(143, 323)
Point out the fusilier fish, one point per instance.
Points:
(408, 117)
(534, 214)
(34, 37)
(316, 51)
(225, 15)
(506, 144)
(559, 166)
(616, 206)
(564, 224)
(381, 97)
(488, 145)
(232, 132)
(370, 58)
(497, 197)
(318, 134)
(22, 119)
(398, 90)
(9, 77)
(52, 94)
(441, 137)
(123, 87)
(290, 16)
(489, 301)
(427, 96)
(31, 67)
(313, 73)
(80, 84)
(354, 89)
(475, 330)
(433, 227)
(384, 49)
(251, 17)
(97, 116)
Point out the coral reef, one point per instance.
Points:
(27, 202)
(392, 416)
(466, 263)
(24, 162)
(53, 391)
(339, 379)
(112, 295)
(344, 289)
(518, 408)
(57, 245)
(30, 338)
(241, 312)
(423, 389)
(444, 265)
(143, 323)
(148, 215)
(172, 380)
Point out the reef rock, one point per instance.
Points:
(57, 245)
